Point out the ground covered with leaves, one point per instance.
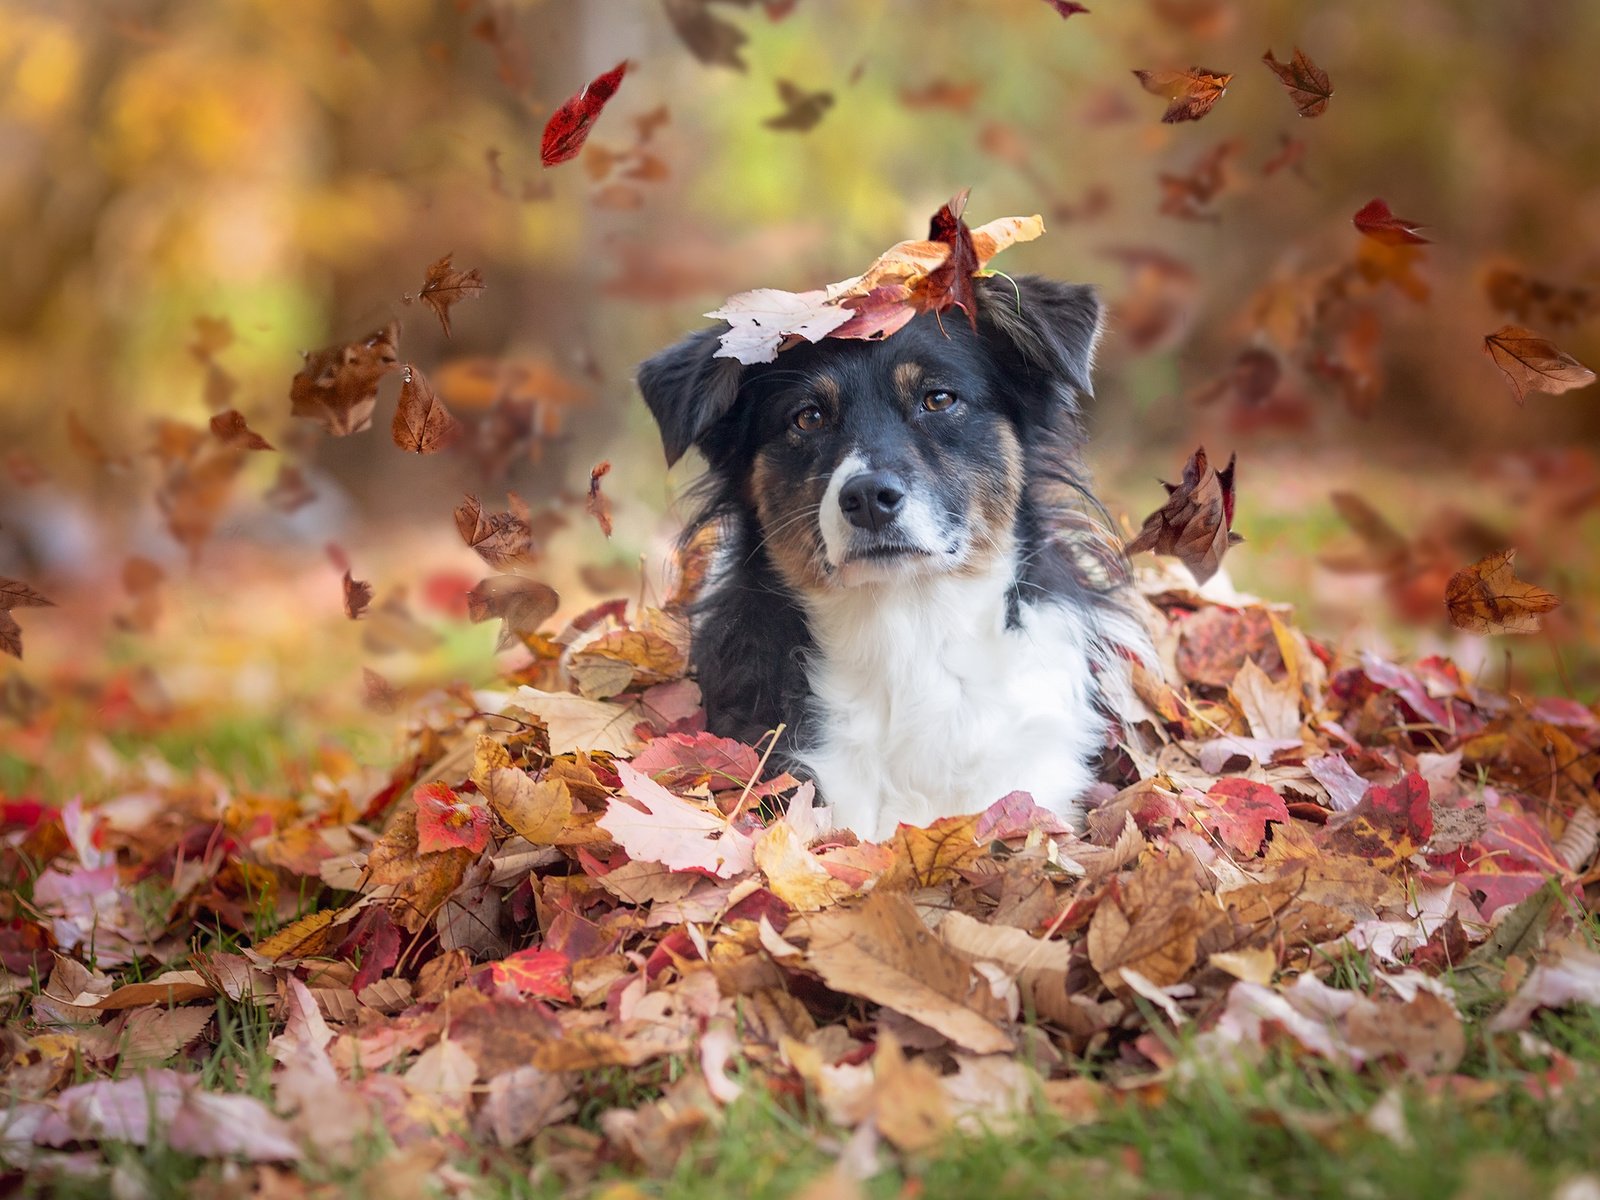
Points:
(574, 943)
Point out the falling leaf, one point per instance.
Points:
(230, 429)
(1531, 363)
(709, 38)
(1195, 524)
(444, 288)
(1190, 94)
(16, 594)
(1188, 195)
(447, 822)
(1527, 298)
(499, 538)
(357, 595)
(942, 93)
(568, 128)
(598, 504)
(1306, 83)
(801, 109)
(1066, 8)
(523, 604)
(422, 424)
(338, 386)
(1378, 223)
(1487, 597)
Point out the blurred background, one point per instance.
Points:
(196, 193)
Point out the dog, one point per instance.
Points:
(911, 576)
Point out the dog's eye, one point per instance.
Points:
(938, 401)
(809, 419)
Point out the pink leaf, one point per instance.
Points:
(660, 827)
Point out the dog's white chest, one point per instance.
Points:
(929, 706)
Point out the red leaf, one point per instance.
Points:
(541, 973)
(599, 507)
(1196, 523)
(951, 284)
(1066, 8)
(1378, 223)
(446, 821)
(1238, 811)
(568, 129)
(1388, 825)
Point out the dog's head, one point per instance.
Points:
(870, 461)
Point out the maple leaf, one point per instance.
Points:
(951, 281)
(660, 827)
(598, 505)
(709, 38)
(1487, 597)
(760, 321)
(1238, 810)
(338, 386)
(523, 604)
(16, 594)
(422, 424)
(1066, 8)
(444, 288)
(1388, 825)
(230, 429)
(357, 595)
(1530, 362)
(1195, 524)
(446, 822)
(569, 126)
(801, 109)
(1306, 83)
(546, 974)
(1378, 223)
(1190, 94)
(499, 538)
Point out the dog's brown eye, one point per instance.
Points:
(938, 401)
(809, 419)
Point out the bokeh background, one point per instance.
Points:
(292, 169)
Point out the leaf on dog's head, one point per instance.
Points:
(1487, 597)
(569, 126)
(338, 386)
(762, 320)
(1195, 524)
(1190, 94)
(1532, 363)
(1306, 83)
(1378, 223)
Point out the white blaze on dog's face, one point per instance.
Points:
(877, 462)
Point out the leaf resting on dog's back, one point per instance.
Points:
(1195, 523)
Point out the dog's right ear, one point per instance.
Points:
(688, 389)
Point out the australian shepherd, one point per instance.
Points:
(912, 577)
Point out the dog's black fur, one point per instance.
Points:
(1021, 371)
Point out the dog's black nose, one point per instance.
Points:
(871, 500)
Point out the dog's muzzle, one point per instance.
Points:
(872, 500)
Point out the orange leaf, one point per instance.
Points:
(1531, 363)
(1190, 94)
(422, 424)
(1487, 597)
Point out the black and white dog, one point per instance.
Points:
(909, 574)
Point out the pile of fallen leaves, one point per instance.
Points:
(568, 877)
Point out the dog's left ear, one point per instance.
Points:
(1054, 327)
(688, 389)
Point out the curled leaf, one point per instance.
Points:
(1306, 83)
(568, 128)
(1532, 363)
(1190, 94)
(1487, 597)
(1195, 524)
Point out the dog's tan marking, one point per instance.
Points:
(790, 539)
(992, 514)
(908, 381)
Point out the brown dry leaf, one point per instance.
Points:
(909, 1105)
(230, 429)
(1151, 922)
(709, 38)
(801, 109)
(883, 952)
(357, 595)
(523, 604)
(195, 491)
(1532, 363)
(422, 424)
(338, 386)
(538, 810)
(1306, 83)
(421, 882)
(625, 658)
(501, 539)
(444, 288)
(1195, 524)
(151, 1036)
(1426, 1034)
(1487, 597)
(1038, 966)
(1190, 94)
(599, 505)
(926, 857)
